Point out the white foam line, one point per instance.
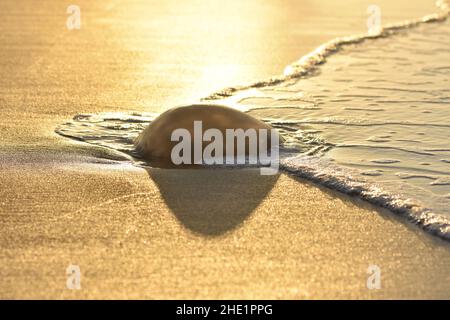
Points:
(323, 172)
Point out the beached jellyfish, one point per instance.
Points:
(205, 125)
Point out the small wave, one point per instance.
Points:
(385, 161)
(308, 64)
(365, 123)
(324, 172)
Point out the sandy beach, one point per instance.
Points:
(185, 234)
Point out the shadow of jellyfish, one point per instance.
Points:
(211, 202)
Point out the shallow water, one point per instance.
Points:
(374, 120)
(384, 107)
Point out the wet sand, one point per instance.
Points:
(202, 234)
(179, 234)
